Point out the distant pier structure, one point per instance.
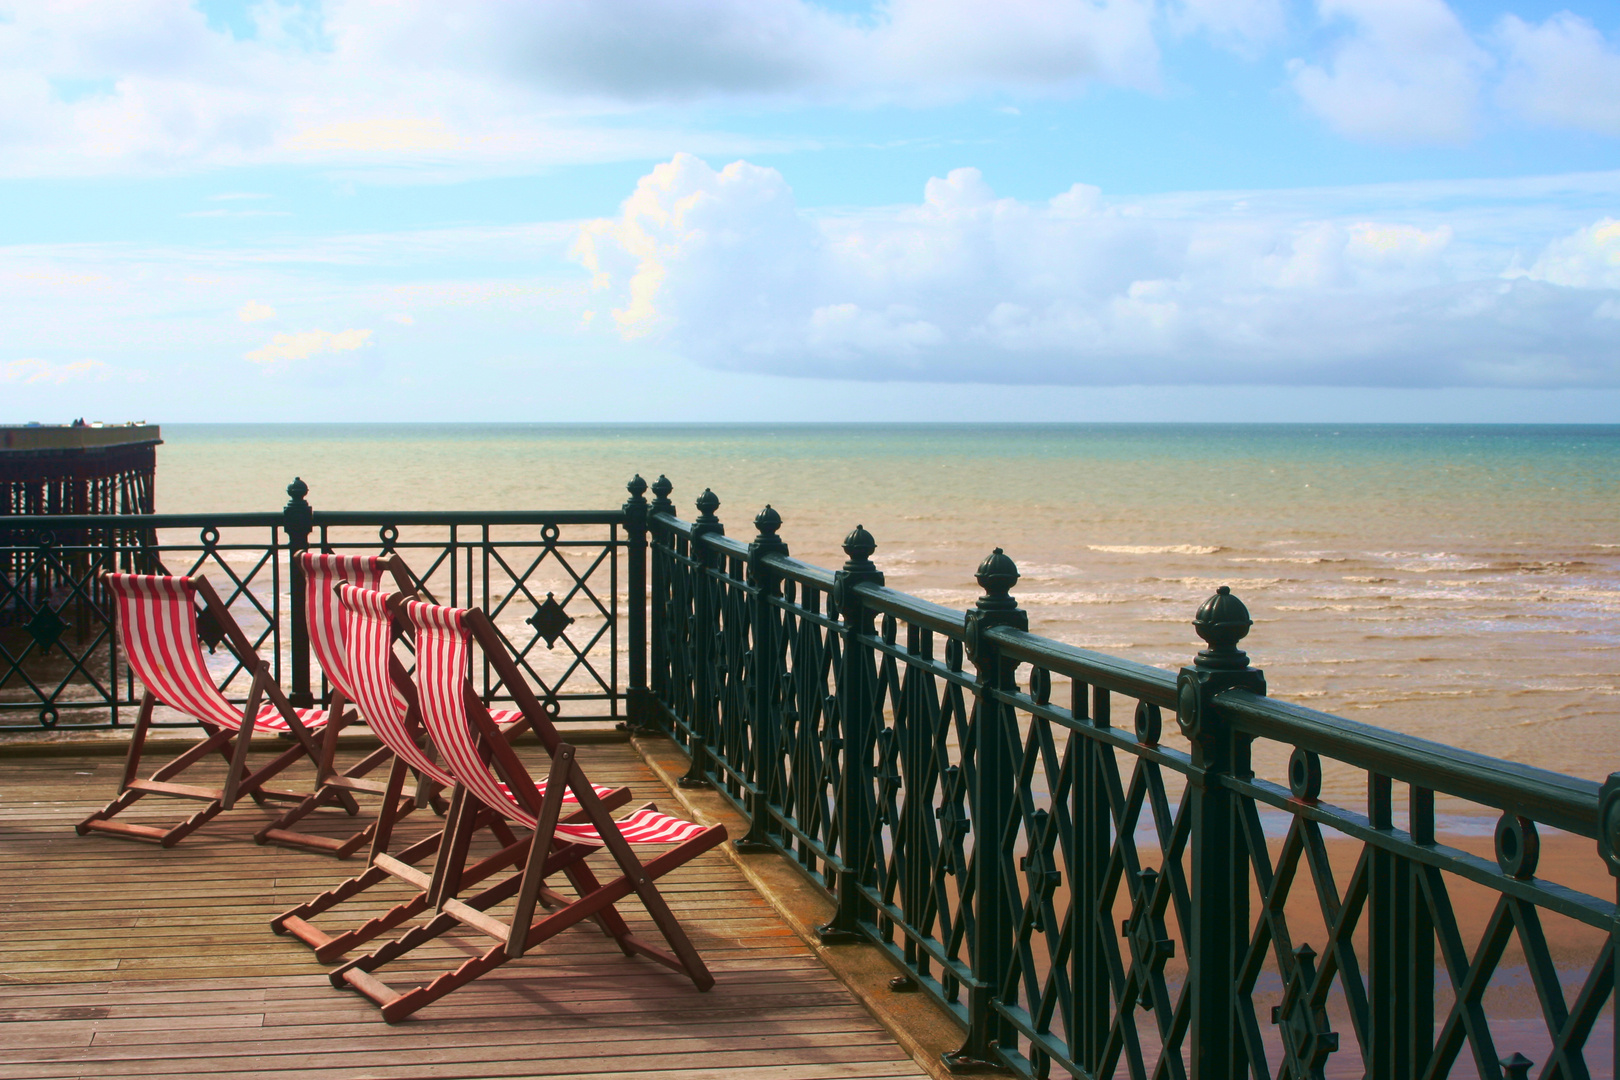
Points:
(52, 470)
(77, 469)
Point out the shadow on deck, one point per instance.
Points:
(123, 959)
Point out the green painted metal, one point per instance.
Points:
(1090, 899)
(251, 559)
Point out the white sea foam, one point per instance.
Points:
(1156, 549)
(1302, 560)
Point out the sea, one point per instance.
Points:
(1461, 583)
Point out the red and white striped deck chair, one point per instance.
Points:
(378, 684)
(157, 625)
(491, 772)
(324, 619)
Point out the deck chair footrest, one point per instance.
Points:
(124, 828)
(308, 841)
(303, 931)
(179, 791)
(369, 985)
(403, 871)
(471, 916)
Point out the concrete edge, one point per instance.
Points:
(116, 743)
(922, 1028)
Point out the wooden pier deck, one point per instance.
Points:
(122, 959)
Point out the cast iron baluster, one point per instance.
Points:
(1609, 849)
(857, 733)
(662, 614)
(1218, 938)
(298, 520)
(1400, 943)
(993, 746)
(705, 720)
(1090, 1009)
(641, 716)
(767, 676)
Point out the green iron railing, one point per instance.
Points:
(1086, 897)
(1095, 898)
(550, 580)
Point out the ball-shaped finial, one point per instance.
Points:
(707, 504)
(1222, 621)
(859, 545)
(637, 487)
(767, 521)
(997, 575)
(298, 489)
(662, 487)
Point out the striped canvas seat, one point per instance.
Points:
(443, 649)
(157, 623)
(323, 619)
(369, 673)
(477, 753)
(369, 634)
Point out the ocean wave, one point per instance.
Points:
(1068, 598)
(1303, 560)
(1156, 549)
(1047, 570)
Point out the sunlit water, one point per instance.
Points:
(1460, 583)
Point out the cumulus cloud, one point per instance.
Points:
(31, 370)
(303, 344)
(253, 311)
(1588, 259)
(723, 266)
(1561, 73)
(1406, 71)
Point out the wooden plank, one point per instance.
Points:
(142, 961)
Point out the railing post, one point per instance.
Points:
(1091, 1009)
(640, 715)
(994, 749)
(659, 629)
(1219, 934)
(298, 519)
(762, 713)
(857, 736)
(1400, 943)
(705, 698)
(1609, 848)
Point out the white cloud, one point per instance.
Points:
(487, 85)
(31, 370)
(302, 344)
(1405, 72)
(253, 311)
(1561, 73)
(1244, 25)
(1588, 259)
(723, 267)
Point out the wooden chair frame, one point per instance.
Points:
(334, 785)
(465, 817)
(553, 847)
(232, 743)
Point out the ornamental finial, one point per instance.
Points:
(1222, 621)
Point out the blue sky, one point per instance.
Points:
(776, 210)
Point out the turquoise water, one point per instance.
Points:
(1462, 583)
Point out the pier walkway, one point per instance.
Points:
(120, 959)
